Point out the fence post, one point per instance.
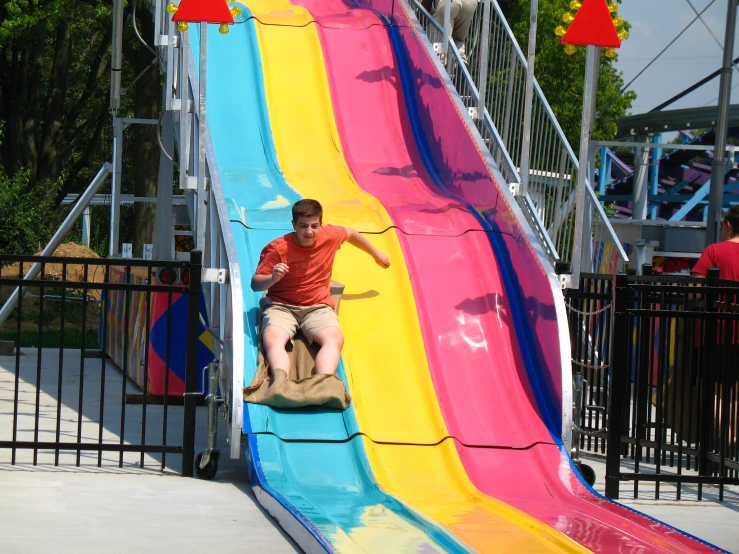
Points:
(706, 378)
(619, 372)
(191, 371)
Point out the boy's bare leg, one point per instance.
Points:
(332, 341)
(275, 339)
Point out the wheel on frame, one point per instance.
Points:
(210, 470)
(588, 473)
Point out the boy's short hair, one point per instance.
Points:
(307, 208)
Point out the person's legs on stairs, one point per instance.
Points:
(454, 13)
(462, 24)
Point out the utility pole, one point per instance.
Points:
(588, 112)
(116, 60)
(718, 168)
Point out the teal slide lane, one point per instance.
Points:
(311, 462)
(255, 191)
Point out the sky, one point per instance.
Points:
(655, 23)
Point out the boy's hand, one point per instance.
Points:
(279, 271)
(382, 260)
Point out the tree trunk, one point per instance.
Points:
(142, 142)
(50, 162)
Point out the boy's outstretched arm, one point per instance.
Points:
(360, 241)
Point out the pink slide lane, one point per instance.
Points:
(472, 344)
(466, 320)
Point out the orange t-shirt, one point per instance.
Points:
(307, 282)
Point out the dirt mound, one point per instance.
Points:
(73, 250)
(75, 272)
(55, 272)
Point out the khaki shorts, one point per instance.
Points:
(309, 319)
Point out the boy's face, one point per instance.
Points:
(307, 230)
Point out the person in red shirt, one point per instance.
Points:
(723, 255)
(295, 270)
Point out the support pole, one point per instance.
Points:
(512, 74)
(586, 247)
(640, 189)
(116, 56)
(86, 222)
(718, 168)
(115, 187)
(200, 212)
(116, 59)
(484, 55)
(654, 174)
(185, 108)
(605, 170)
(163, 231)
(529, 100)
(589, 91)
(618, 382)
(191, 363)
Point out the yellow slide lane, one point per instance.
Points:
(384, 356)
(393, 395)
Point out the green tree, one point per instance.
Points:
(561, 76)
(54, 102)
(53, 85)
(24, 215)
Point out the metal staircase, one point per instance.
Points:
(498, 110)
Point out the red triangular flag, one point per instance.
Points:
(203, 11)
(592, 25)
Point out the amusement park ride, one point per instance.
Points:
(459, 436)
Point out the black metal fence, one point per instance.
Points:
(590, 314)
(81, 352)
(660, 357)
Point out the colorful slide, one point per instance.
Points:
(454, 357)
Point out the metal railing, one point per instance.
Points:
(658, 357)
(674, 387)
(100, 372)
(495, 58)
(590, 316)
(206, 203)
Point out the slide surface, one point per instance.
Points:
(452, 356)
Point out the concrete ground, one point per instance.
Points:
(123, 507)
(67, 508)
(709, 519)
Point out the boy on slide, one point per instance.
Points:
(295, 270)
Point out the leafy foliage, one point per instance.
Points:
(53, 90)
(24, 215)
(561, 76)
(54, 103)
